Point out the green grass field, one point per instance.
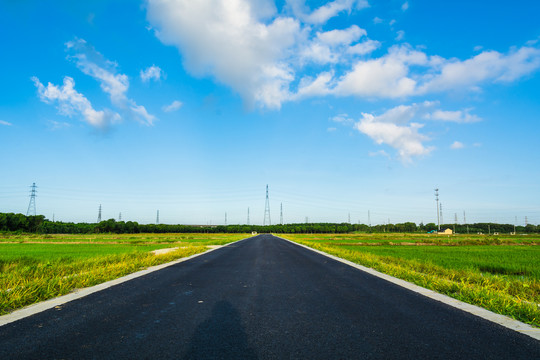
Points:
(499, 273)
(34, 268)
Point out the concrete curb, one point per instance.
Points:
(472, 309)
(80, 293)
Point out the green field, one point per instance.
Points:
(34, 268)
(499, 273)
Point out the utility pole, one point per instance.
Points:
(438, 214)
(455, 222)
(281, 213)
(157, 218)
(99, 214)
(32, 204)
(267, 210)
(515, 221)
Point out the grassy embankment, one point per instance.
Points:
(34, 268)
(500, 273)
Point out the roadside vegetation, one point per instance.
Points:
(10, 222)
(34, 268)
(499, 273)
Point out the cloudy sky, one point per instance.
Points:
(341, 107)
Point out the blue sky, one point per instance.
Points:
(341, 107)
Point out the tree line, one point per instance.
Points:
(10, 222)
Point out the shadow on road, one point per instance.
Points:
(222, 336)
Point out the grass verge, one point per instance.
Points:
(35, 269)
(495, 277)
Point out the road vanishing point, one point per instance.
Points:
(260, 298)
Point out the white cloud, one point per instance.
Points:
(333, 46)
(340, 37)
(270, 57)
(457, 145)
(364, 48)
(234, 46)
(175, 105)
(382, 77)
(322, 14)
(377, 20)
(488, 66)
(320, 86)
(342, 118)
(399, 127)
(151, 73)
(404, 138)
(70, 102)
(56, 125)
(92, 63)
(459, 116)
(405, 6)
(5, 123)
(405, 72)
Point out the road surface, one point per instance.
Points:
(260, 298)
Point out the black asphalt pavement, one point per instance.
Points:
(260, 298)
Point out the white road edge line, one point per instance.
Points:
(502, 320)
(80, 293)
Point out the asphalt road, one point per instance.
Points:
(261, 298)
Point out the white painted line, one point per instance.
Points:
(502, 320)
(80, 293)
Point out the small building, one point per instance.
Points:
(446, 232)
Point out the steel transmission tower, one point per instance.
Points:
(440, 207)
(281, 213)
(32, 205)
(248, 217)
(438, 215)
(99, 214)
(267, 210)
(157, 218)
(225, 218)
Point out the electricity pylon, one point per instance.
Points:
(267, 210)
(32, 205)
